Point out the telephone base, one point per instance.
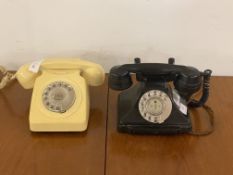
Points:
(130, 121)
(74, 119)
(61, 127)
(143, 129)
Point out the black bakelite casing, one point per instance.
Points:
(119, 80)
(186, 80)
(130, 121)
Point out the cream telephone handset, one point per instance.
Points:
(60, 99)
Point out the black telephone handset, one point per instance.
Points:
(152, 106)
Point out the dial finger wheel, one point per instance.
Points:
(58, 96)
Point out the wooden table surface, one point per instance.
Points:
(102, 150)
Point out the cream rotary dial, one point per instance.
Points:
(155, 106)
(58, 97)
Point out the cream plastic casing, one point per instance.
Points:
(79, 75)
(74, 119)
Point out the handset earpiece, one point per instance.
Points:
(25, 77)
(119, 78)
(188, 82)
(94, 75)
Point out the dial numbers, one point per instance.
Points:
(155, 106)
(58, 96)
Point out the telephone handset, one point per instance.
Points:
(60, 99)
(152, 106)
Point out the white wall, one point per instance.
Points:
(196, 32)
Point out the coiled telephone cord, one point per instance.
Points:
(7, 77)
(201, 103)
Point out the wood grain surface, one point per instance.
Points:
(25, 153)
(180, 154)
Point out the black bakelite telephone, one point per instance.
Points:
(152, 106)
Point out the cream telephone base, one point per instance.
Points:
(60, 99)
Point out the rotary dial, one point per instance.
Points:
(155, 106)
(58, 96)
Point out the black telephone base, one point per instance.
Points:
(143, 129)
(130, 121)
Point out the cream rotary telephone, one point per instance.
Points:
(60, 99)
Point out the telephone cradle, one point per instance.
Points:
(154, 105)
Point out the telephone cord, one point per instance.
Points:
(211, 120)
(7, 77)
